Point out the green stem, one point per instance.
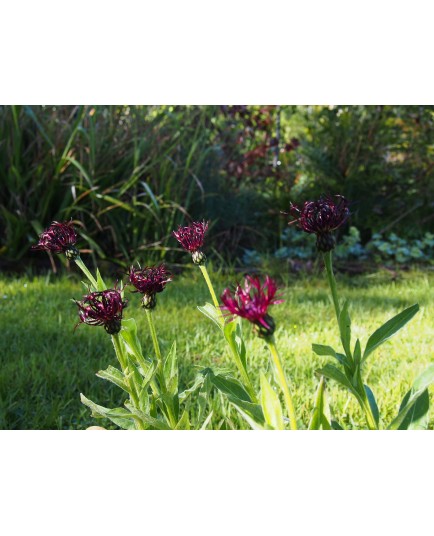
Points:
(122, 358)
(210, 288)
(281, 379)
(332, 281)
(235, 355)
(160, 371)
(154, 337)
(372, 424)
(243, 372)
(86, 272)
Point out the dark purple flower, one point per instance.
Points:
(252, 302)
(59, 238)
(148, 281)
(322, 217)
(191, 239)
(102, 309)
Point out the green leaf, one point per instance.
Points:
(129, 335)
(239, 342)
(421, 384)
(330, 371)
(152, 421)
(184, 421)
(171, 370)
(250, 421)
(207, 421)
(345, 329)
(335, 425)
(318, 417)
(271, 406)
(230, 387)
(119, 416)
(418, 416)
(115, 376)
(372, 403)
(251, 409)
(322, 349)
(212, 313)
(100, 282)
(357, 355)
(389, 328)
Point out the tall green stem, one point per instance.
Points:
(242, 371)
(281, 379)
(122, 358)
(332, 281)
(372, 424)
(86, 272)
(160, 370)
(210, 287)
(154, 336)
(240, 366)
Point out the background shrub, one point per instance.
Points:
(128, 175)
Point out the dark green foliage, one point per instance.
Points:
(128, 175)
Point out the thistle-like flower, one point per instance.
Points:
(148, 281)
(322, 217)
(102, 309)
(252, 302)
(59, 238)
(191, 239)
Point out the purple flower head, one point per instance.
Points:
(191, 239)
(102, 309)
(148, 281)
(252, 302)
(59, 238)
(322, 217)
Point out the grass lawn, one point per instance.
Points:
(44, 365)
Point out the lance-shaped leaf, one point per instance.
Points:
(132, 342)
(418, 416)
(389, 328)
(115, 376)
(319, 418)
(151, 421)
(322, 349)
(230, 387)
(271, 406)
(212, 313)
(421, 384)
(171, 370)
(372, 403)
(345, 329)
(119, 416)
(330, 371)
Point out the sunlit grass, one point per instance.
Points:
(45, 365)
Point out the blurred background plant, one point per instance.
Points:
(128, 175)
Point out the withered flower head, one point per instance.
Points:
(191, 239)
(322, 217)
(102, 309)
(252, 301)
(148, 281)
(59, 238)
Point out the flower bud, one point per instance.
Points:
(149, 301)
(198, 257)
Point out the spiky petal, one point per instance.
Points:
(103, 308)
(59, 237)
(321, 218)
(148, 281)
(251, 301)
(191, 239)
